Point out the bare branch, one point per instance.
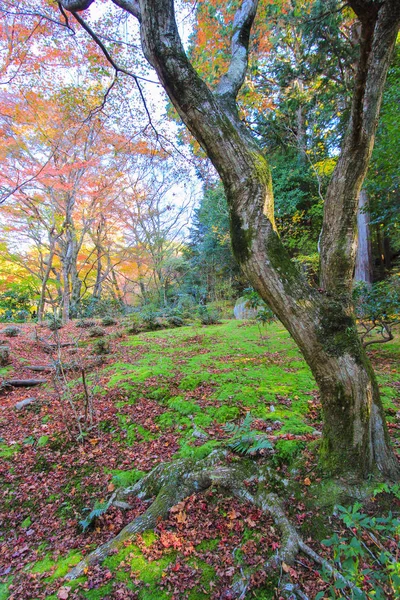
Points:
(231, 82)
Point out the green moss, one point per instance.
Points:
(4, 371)
(170, 419)
(42, 441)
(196, 452)
(61, 566)
(192, 381)
(224, 413)
(126, 478)
(26, 523)
(4, 593)
(287, 450)
(8, 451)
(295, 425)
(182, 406)
(99, 593)
(338, 331)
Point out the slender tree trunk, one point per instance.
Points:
(363, 269)
(43, 288)
(66, 295)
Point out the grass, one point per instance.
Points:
(193, 380)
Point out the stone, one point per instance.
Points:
(4, 356)
(24, 403)
(243, 311)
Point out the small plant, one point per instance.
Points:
(11, 331)
(98, 510)
(101, 346)
(108, 321)
(54, 323)
(244, 440)
(208, 317)
(4, 356)
(132, 328)
(96, 331)
(176, 321)
(363, 556)
(264, 315)
(85, 323)
(148, 316)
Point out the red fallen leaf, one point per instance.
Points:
(275, 545)
(232, 514)
(307, 481)
(19, 552)
(63, 592)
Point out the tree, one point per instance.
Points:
(211, 271)
(355, 439)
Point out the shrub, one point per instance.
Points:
(132, 328)
(96, 331)
(22, 316)
(4, 356)
(175, 321)
(149, 318)
(54, 323)
(363, 563)
(108, 321)
(101, 346)
(11, 331)
(377, 308)
(208, 317)
(100, 307)
(85, 323)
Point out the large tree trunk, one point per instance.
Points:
(355, 439)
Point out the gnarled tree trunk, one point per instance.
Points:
(355, 438)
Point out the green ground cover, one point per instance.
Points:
(164, 395)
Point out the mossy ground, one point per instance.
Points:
(160, 395)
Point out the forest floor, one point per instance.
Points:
(155, 397)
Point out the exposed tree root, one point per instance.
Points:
(170, 483)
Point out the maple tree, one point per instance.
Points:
(67, 184)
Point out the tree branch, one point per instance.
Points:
(380, 24)
(231, 82)
(76, 5)
(130, 6)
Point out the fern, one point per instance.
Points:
(99, 509)
(244, 440)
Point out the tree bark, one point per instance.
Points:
(355, 439)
